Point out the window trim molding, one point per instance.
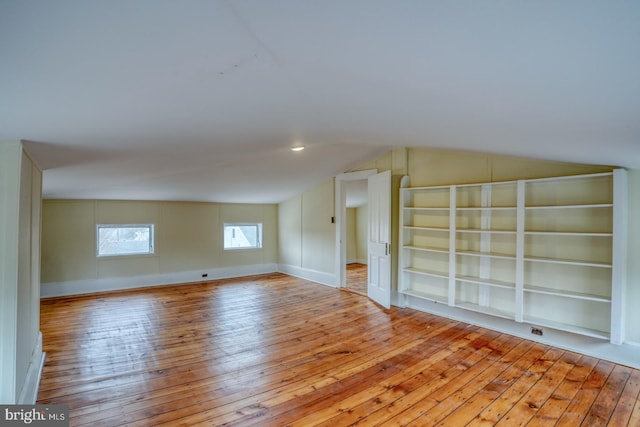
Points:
(241, 224)
(152, 240)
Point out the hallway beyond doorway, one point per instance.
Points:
(357, 278)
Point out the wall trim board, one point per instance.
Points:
(78, 287)
(320, 277)
(357, 261)
(9, 238)
(625, 354)
(29, 392)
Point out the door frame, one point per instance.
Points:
(340, 204)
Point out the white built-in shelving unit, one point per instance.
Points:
(547, 252)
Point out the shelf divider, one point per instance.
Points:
(452, 246)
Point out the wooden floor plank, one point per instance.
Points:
(589, 389)
(280, 387)
(531, 401)
(608, 397)
(387, 393)
(502, 391)
(275, 350)
(439, 385)
(627, 400)
(278, 409)
(634, 420)
(557, 403)
(346, 412)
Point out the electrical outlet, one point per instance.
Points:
(536, 331)
(205, 275)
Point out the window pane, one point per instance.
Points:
(125, 240)
(242, 236)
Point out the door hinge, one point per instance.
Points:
(387, 249)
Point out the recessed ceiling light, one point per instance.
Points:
(297, 148)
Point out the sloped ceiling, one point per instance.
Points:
(201, 100)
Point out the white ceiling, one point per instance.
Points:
(200, 100)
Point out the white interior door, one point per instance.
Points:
(379, 239)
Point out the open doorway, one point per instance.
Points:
(378, 226)
(356, 236)
(352, 228)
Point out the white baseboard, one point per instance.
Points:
(321, 277)
(625, 354)
(357, 261)
(77, 287)
(29, 392)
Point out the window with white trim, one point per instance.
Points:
(242, 236)
(125, 239)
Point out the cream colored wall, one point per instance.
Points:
(633, 259)
(318, 236)
(306, 234)
(68, 240)
(290, 232)
(182, 225)
(394, 161)
(362, 219)
(441, 167)
(352, 236)
(357, 219)
(188, 236)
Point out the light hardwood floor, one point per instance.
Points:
(275, 350)
(357, 278)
